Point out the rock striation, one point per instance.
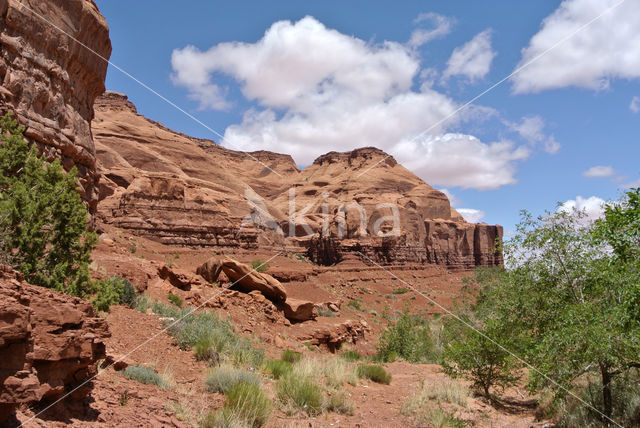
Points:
(49, 343)
(187, 191)
(51, 81)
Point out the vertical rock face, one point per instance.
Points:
(49, 343)
(51, 81)
(462, 245)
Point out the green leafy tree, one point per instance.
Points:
(475, 354)
(570, 301)
(43, 231)
(620, 226)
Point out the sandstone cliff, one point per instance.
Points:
(187, 191)
(49, 343)
(51, 81)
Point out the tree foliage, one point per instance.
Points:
(479, 354)
(43, 231)
(408, 338)
(569, 301)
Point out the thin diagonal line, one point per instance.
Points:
(147, 341)
(501, 81)
(487, 338)
(144, 85)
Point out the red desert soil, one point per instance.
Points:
(118, 401)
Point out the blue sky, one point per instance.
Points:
(305, 78)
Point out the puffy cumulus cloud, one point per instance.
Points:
(570, 50)
(471, 215)
(316, 90)
(599, 171)
(297, 67)
(593, 206)
(532, 129)
(440, 26)
(635, 104)
(473, 59)
(461, 160)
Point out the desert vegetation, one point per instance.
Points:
(565, 309)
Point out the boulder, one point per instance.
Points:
(210, 270)
(299, 310)
(49, 343)
(179, 278)
(243, 277)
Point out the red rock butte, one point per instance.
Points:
(181, 190)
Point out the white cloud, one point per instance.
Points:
(441, 26)
(599, 171)
(592, 206)
(635, 104)
(461, 160)
(316, 90)
(471, 215)
(605, 49)
(473, 59)
(531, 128)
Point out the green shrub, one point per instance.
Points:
(374, 373)
(204, 351)
(300, 393)
(259, 266)
(113, 291)
(290, 356)
(246, 405)
(108, 292)
(222, 379)
(408, 338)
(355, 304)
(401, 290)
(43, 220)
(175, 300)
(351, 356)
(207, 328)
(278, 368)
(128, 296)
(145, 375)
(142, 303)
(338, 403)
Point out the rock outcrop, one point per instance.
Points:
(51, 81)
(49, 343)
(186, 191)
(334, 336)
(299, 310)
(244, 277)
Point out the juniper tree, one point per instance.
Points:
(43, 220)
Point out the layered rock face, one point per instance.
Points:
(51, 81)
(49, 343)
(174, 188)
(187, 191)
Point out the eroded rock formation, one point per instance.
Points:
(244, 277)
(49, 343)
(186, 191)
(51, 81)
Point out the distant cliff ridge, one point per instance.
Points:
(187, 191)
